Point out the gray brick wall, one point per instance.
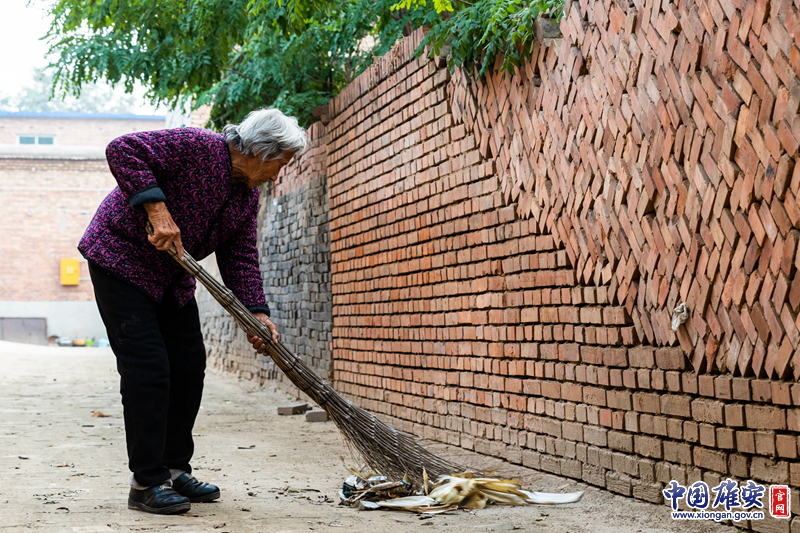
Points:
(294, 247)
(295, 260)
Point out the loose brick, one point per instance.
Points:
(294, 409)
(316, 415)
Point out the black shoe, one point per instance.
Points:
(196, 491)
(161, 499)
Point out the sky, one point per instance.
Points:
(22, 24)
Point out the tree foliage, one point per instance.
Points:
(235, 54)
(292, 54)
(476, 33)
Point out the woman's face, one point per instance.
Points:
(258, 172)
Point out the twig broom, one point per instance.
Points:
(389, 452)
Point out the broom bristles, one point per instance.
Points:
(390, 452)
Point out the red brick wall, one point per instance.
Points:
(506, 252)
(46, 206)
(48, 201)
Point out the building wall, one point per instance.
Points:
(507, 252)
(46, 206)
(74, 129)
(48, 195)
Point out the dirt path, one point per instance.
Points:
(63, 470)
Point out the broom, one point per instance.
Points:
(389, 452)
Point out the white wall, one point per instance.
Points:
(79, 320)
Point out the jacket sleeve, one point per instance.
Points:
(134, 160)
(238, 264)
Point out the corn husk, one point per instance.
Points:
(545, 498)
(417, 504)
(409, 501)
(455, 489)
(465, 491)
(476, 500)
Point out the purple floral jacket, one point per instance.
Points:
(189, 169)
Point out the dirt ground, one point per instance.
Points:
(65, 471)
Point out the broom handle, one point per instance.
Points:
(381, 446)
(252, 326)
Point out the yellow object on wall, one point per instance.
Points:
(70, 272)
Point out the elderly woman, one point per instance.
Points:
(199, 191)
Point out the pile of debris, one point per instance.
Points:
(458, 491)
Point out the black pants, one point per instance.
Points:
(161, 361)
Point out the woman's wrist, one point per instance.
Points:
(154, 208)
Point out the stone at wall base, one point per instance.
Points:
(293, 409)
(316, 415)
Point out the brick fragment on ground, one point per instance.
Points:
(293, 409)
(316, 415)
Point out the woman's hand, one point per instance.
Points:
(165, 231)
(257, 342)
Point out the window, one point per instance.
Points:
(36, 139)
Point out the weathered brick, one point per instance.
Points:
(642, 357)
(647, 446)
(765, 417)
(670, 359)
(769, 470)
(646, 403)
(620, 441)
(710, 459)
(677, 452)
(674, 405)
(708, 411)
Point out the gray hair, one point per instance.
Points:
(267, 133)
